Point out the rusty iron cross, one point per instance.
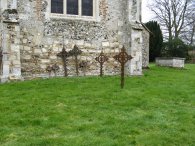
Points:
(123, 58)
(1, 54)
(83, 65)
(101, 59)
(53, 68)
(1, 57)
(49, 70)
(75, 52)
(64, 55)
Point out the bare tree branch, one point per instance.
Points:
(176, 17)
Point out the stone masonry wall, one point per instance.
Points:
(11, 65)
(41, 37)
(145, 49)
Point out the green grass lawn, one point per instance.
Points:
(157, 109)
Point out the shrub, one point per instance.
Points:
(175, 48)
(156, 40)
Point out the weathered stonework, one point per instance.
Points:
(171, 62)
(32, 37)
(145, 49)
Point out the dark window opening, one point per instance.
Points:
(87, 7)
(57, 6)
(72, 7)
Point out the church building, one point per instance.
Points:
(34, 32)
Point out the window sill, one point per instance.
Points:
(72, 17)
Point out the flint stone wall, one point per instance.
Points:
(43, 39)
(40, 37)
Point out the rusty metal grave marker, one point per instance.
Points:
(75, 52)
(53, 68)
(64, 55)
(123, 58)
(1, 58)
(83, 65)
(101, 59)
(49, 70)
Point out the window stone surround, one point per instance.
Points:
(95, 16)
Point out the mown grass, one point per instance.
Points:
(157, 109)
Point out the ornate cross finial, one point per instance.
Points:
(101, 59)
(123, 58)
(75, 52)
